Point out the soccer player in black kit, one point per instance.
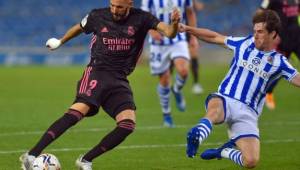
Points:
(118, 35)
(288, 11)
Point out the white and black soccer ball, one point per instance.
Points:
(46, 161)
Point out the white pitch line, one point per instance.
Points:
(88, 130)
(22, 133)
(144, 146)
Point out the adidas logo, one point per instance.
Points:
(104, 29)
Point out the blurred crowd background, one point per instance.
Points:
(25, 26)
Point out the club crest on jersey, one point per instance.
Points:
(256, 61)
(104, 29)
(130, 31)
(270, 59)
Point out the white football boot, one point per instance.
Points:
(26, 161)
(82, 164)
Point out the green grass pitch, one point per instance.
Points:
(31, 98)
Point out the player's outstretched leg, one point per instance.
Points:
(110, 141)
(225, 151)
(54, 131)
(176, 89)
(197, 135)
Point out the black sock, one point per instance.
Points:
(111, 140)
(55, 130)
(195, 67)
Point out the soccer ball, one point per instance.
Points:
(46, 161)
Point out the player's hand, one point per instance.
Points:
(181, 27)
(53, 43)
(175, 16)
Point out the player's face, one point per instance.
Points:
(263, 40)
(120, 9)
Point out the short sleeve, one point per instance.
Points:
(233, 42)
(151, 21)
(146, 5)
(288, 72)
(87, 23)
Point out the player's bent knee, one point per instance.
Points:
(127, 126)
(215, 116)
(80, 107)
(250, 162)
(126, 114)
(183, 72)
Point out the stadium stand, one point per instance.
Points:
(26, 25)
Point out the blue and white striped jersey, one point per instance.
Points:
(162, 9)
(252, 72)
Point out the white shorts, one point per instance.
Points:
(161, 56)
(240, 118)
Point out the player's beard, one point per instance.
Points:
(119, 17)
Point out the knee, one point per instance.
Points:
(127, 126)
(250, 162)
(215, 116)
(183, 72)
(164, 79)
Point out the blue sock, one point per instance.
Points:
(179, 83)
(233, 154)
(205, 128)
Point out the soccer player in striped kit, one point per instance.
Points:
(241, 95)
(164, 51)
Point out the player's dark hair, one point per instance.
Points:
(269, 17)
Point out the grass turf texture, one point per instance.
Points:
(31, 98)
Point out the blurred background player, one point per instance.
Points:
(118, 36)
(240, 97)
(194, 51)
(288, 11)
(164, 51)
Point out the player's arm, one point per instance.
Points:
(296, 80)
(172, 29)
(74, 31)
(192, 21)
(204, 34)
(198, 5)
(191, 17)
(71, 33)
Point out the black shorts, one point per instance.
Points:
(109, 89)
(290, 41)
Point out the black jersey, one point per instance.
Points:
(117, 45)
(288, 10)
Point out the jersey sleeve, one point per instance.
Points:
(151, 21)
(146, 5)
(87, 23)
(288, 72)
(233, 42)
